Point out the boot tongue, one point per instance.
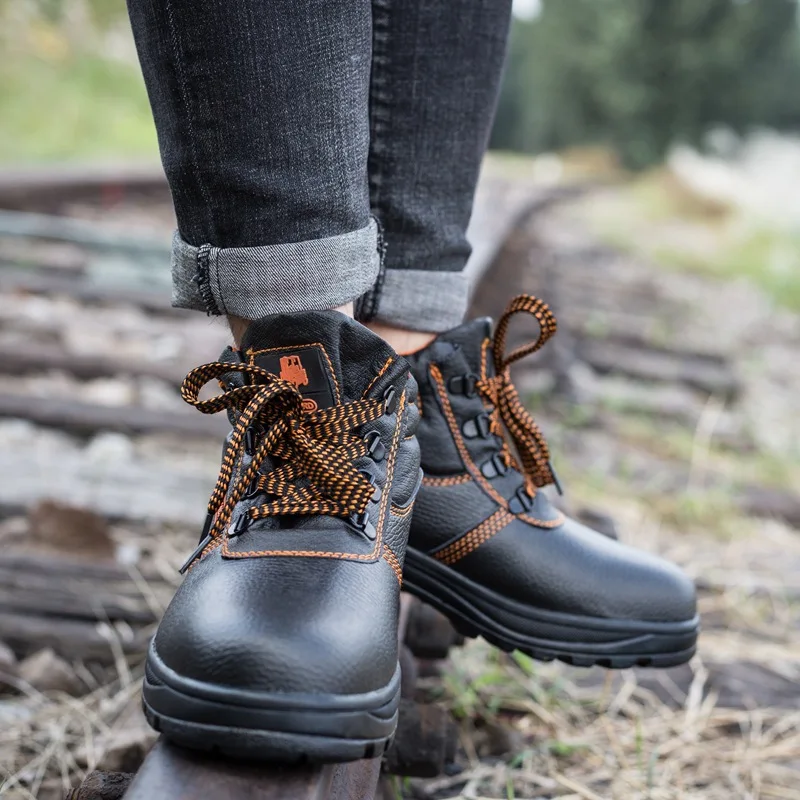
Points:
(469, 338)
(330, 357)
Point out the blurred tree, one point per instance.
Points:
(101, 13)
(641, 74)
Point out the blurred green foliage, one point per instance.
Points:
(636, 75)
(79, 107)
(640, 75)
(70, 84)
(102, 13)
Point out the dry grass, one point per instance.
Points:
(532, 730)
(620, 740)
(647, 734)
(56, 740)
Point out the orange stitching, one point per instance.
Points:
(453, 425)
(543, 523)
(475, 538)
(375, 379)
(251, 354)
(393, 562)
(470, 464)
(487, 343)
(381, 520)
(402, 511)
(453, 480)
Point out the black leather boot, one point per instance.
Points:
(489, 550)
(281, 643)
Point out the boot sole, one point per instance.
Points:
(546, 635)
(292, 728)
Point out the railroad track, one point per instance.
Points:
(91, 354)
(116, 387)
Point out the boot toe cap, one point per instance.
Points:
(258, 627)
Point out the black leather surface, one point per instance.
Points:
(284, 625)
(576, 570)
(304, 621)
(567, 567)
(444, 512)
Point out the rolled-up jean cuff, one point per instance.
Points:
(423, 300)
(253, 282)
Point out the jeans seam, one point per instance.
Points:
(219, 285)
(380, 111)
(366, 306)
(190, 127)
(203, 280)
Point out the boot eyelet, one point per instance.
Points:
(375, 446)
(390, 401)
(372, 482)
(360, 521)
(521, 502)
(477, 426)
(362, 524)
(463, 384)
(239, 527)
(253, 490)
(494, 467)
(251, 437)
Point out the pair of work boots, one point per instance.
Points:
(281, 643)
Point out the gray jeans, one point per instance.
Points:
(322, 151)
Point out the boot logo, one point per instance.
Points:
(292, 370)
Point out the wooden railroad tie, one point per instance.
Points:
(424, 745)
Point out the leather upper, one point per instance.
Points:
(478, 516)
(308, 603)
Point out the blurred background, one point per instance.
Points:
(643, 180)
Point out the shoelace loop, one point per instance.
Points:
(499, 391)
(316, 449)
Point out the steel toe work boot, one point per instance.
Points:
(281, 643)
(488, 549)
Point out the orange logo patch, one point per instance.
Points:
(309, 404)
(292, 370)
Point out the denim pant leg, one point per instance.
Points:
(262, 113)
(437, 66)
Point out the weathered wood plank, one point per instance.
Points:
(645, 362)
(762, 501)
(38, 283)
(87, 419)
(172, 773)
(70, 638)
(37, 358)
(48, 188)
(102, 786)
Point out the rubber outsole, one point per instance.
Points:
(544, 635)
(284, 727)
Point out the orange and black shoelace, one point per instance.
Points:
(500, 393)
(315, 451)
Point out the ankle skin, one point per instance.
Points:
(403, 341)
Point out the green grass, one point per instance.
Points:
(768, 258)
(77, 107)
(656, 217)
